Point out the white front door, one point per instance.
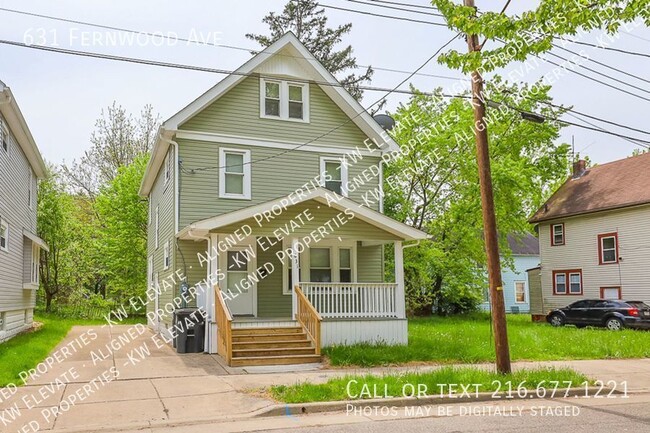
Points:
(238, 286)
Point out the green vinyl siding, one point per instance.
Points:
(271, 178)
(187, 261)
(370, 264)
(270, 300)
(322, 214)
(237, 112)
(162, 195)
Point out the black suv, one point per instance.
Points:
(612, 314)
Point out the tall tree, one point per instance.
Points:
(118, 140)
(434, 186)
(309, 23)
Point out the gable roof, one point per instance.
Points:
(18, 126)
(528, 245)
(372, 217)
(303, 63)
(614, 185)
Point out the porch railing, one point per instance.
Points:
(308, 318)
(352, 300)
(224, 326)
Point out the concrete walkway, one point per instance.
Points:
(126, 379)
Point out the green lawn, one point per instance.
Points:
(404, 385)
(27, 350)
(467, 339)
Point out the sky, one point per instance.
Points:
(61, 96)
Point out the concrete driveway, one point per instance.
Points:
(124, 376)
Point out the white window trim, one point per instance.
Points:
(247, 174)
(157, 226)
(561, 233)
(284, 100)
(334, 246)
(566, 284)
(603, 249)
(5, 224)
(166, 256)
(344, 173)
(525, 301)
(569, 284)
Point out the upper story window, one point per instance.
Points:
(4, 235)
(157, 227)
(557, 234)
(567, 282)
(166, 256)
(334, 175)
(608, 248)
(30, 190)
(234, 173)
(284, 100)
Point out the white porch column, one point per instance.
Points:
(400, 293)
(295, 275)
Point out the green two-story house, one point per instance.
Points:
(266, 199)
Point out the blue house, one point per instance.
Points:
(525, 255)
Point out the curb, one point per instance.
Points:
(335, 406)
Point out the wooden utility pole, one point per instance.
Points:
(497, 305)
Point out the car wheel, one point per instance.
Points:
(557, 320)
(614, 324)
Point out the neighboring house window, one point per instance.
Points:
(320, 265)
(345, 265)
(235, 173)
(608, 248)
(157, 227)
(334, 175)
(567, 282)
(557, 234)
(166, 257)
(36, 255)
(4, 235)
(30, 190)
(610, 293)
(520, 292)
(284, 100)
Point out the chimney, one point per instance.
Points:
(579, 168)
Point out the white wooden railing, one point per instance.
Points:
(352, 300)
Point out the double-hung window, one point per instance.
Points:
(4, 235)
(557, 234)
(234, 173)
(567, 282)
(608, 248)
(345, 265)
(166, 256)
(334, 175)
(320, 265)
(284, 100)
(520, 292)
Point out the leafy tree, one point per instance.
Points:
(118, 140)
(434, 186)
(123, 231)
(309, 23)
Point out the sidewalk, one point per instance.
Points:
(165, 388)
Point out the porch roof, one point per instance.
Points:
(394, 229)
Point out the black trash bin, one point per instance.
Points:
(189, 325)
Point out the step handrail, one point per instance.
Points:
(223, 318)
(309, 318)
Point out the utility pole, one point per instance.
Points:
(497, 305)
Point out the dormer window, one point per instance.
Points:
(284, 100)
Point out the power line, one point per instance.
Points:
(392, 17)
(232, 47)
(602, 47)
(374, 4)
(405, 4)
(628, 139)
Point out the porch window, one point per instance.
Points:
(557, 234)
(235, 174)
(284, 100)
(520, 292)
(4, 235)
(320, 265)
(345, 265)
(608, 248)
(334, 175)
(236, 272)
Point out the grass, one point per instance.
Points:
(27, 350)
(337, 389)
(467, 339)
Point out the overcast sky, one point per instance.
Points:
(61, 96)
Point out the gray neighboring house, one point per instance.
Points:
(21, 165)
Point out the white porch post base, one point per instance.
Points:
(295, 276)
(400, 294)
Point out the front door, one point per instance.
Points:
(239, 287)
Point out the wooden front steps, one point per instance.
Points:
(272, 346)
